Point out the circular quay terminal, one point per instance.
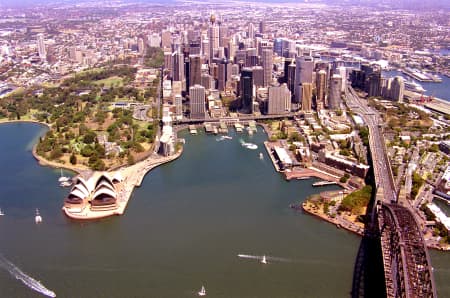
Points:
(264, 149)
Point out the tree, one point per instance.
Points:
(73, 159)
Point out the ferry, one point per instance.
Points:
(323, 183)
(250, 146)
(414, 87)
(202, 292)
(38, 217)
(303, 178)
(264, 261)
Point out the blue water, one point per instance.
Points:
(439, 90)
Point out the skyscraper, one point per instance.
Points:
(251, 31)
(334, 99)
(306, 96)
(262, 27)
(397, 89)
(291, 76)
(195, 68)
(246, 90)
(303, 74)
(375, 84)
(213, 37)
(321, 89)
(197, 101)
(166, 39)
(41, 46)
(178, 66)
(267, 62)
(279, 100)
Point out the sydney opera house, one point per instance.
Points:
(98, 193)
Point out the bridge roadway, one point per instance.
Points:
(407, 266)
(240, 118)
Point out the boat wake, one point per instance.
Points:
(26, 279)
(268, 258)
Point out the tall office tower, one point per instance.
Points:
(41, 46)
(258, 76)
(235, 70)
(178, 100)
(246, 90)
(303, 74)
(187, 71)
(386, 87)
(251, 57)
(154, 40)
(306, 96)
(342, 71)
(195, 70)
(278, 46)
(267, 62)
(197, 101)
(262, 27)
(334, 100)
(168, 63)
(397, 89)
(291, 76)
(375, 84)
(166, 39)
(224, 74)
(213, 37)
(251, 31)
(223, 34)
(207, 81)
(241, 57)
(141, 46)
(279, 100)
(193, 35)
(194, 47)
(286, 64)
(205, 48)
(321, 89)
(178, 66)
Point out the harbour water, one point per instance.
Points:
(183, 228)
(439, 90)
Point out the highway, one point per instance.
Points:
(381, 165)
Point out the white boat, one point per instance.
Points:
(63, 178)
(1, 212)
(261, 156)
(202, 292)
(227, 138)
(264, 261)
(249, 145)
(65, 184)
(413, 86)
(37, 218)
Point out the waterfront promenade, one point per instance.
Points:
(132, 177)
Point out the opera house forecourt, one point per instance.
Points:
(103, 194)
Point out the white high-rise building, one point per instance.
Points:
(251, 31)
(303, 74)
(213, 37)
(279, 100)
(41, 46)
(197, 101)
(342, 71)
(154, 40)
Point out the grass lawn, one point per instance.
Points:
(111, 81)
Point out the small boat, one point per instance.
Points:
(202, 292)
(37, 218)
(65, 184)
(261, 156)
(63, 178)
(264, 261)
(227, 138)
(1, 212)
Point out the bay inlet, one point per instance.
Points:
(184, 228)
